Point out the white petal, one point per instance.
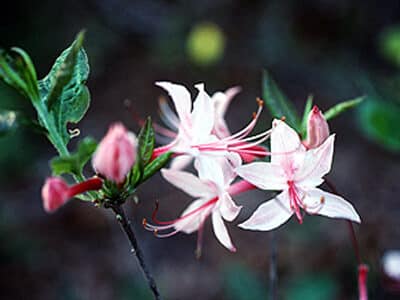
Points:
(180, 96)
(284, 142)
(193, 222)
(264, 175)
(270, 214)
(232, 162)
(180, 162)
(210, 168)
(228, 208)
(188, 183)
(221, 232)
(317, 163)
(202, 115)
(222, 100)
(326, 204)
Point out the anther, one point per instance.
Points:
(144, 222)
(283, 118)
(322, 200)
(260, 101)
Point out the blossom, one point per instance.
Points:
(212, 190)
(317, 129)
(296, 172)
(116, 153)
(56, 192)
(196, 131)
(221, 102)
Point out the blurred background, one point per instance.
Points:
(335, 50)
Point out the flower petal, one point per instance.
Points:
(221, 232)
(188, 183)
(317, 163)
(181, 98)
(264, 175)
(326, 204)
(223, 99)
(228, 208)
(209, 168)
(193, 222)
(270, 214)
(202, 115)
(180, 162)
(284, 142)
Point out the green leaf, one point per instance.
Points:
(342, 107)
(380, 121)
(74, 163)
(17, 70)
(307, 109)
(156, 165)
(64, 91)
(278, 104)
(146, 143)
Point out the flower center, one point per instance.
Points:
(296, 201)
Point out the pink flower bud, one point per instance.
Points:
(55, 193)
(115, 154)
(317, 129)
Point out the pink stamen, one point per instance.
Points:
(240, 187)
(295, 201)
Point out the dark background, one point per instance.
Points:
(335, 50)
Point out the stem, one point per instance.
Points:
(349, 225)
(273, 274)
(362, 268)
(126, 227)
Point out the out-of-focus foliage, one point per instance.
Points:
(311, 287)
(389, 44)
(242, 284)
(8, 121)
(380, 122)
(206, 44)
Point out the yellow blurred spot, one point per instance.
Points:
(205, 44)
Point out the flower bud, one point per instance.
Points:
(317, 129)
(55, 193)
(115, 154)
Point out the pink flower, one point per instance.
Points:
(213, 191)
(296, 172)
(56, 192)
(196, 131)
(317, 129)
(115, 154)
(221, 103)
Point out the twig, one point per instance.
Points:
(126, 227)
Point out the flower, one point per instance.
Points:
(196, 131)
(116, 153)
(56, 192)
(317, 129)
(296, 172)
(221, 102)
(213, 191)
